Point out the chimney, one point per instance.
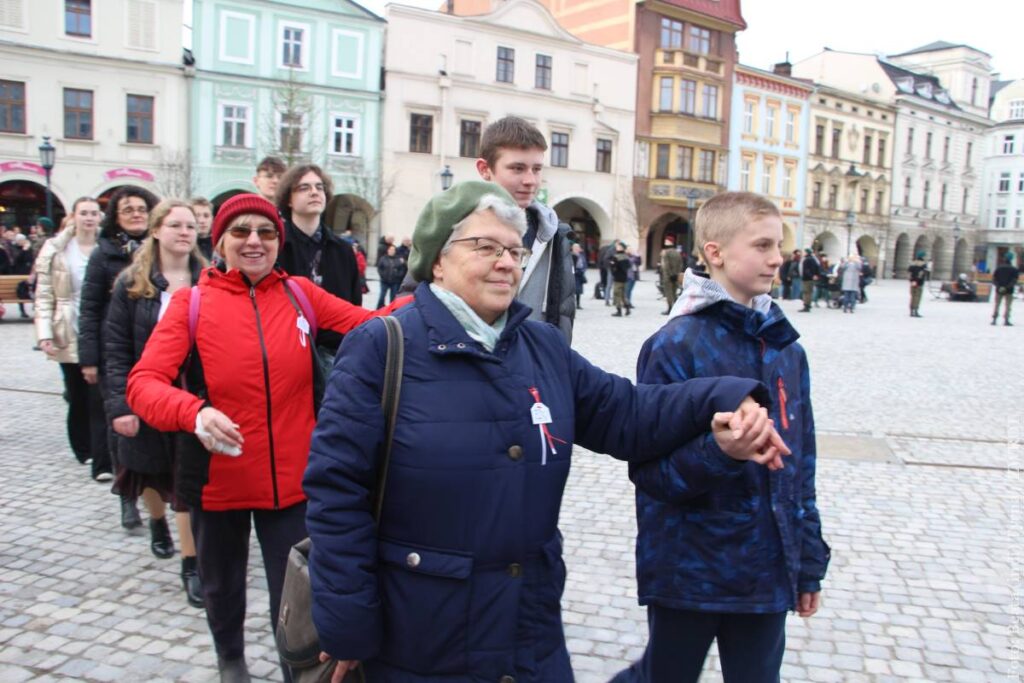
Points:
(783, 69)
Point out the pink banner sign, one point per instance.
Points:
(136, 173)
(22, 167)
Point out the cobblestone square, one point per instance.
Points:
(920, 448)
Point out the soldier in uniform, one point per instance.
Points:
(918, 275)
(671, 269)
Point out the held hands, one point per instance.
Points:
(218, 433)
(748, 434)
(341, 668)
(91, 374)
(126, 425)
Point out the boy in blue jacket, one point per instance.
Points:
(725, 547)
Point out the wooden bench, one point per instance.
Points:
(983, 291)
(9, 289)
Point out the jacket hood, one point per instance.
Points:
(547, 223)
(764, 320)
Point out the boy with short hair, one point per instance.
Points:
(268, 174)
(202, 208)
(725, 547)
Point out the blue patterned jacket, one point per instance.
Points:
(716, 534)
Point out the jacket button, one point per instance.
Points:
(507, 679)
(460, 345)
(441, 347)
(515, 570)
(413, 560)
(515, 453)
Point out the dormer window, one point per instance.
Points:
(942, 96)
(906, 84)
(924, 90)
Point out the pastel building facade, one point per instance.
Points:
(105, 82)
(1002, 194)
(297, 80)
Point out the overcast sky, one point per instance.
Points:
(884, 26)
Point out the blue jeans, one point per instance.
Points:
(850, 297)
(629, 291)
(390, 289)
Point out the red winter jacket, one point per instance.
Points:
(257, 372)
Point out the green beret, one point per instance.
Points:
(439, 217)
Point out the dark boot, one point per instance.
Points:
(233, 670)
(617, 313)
(160, 541)
(190, 579)
(1007, 323)
(130, 514)
(994, 319)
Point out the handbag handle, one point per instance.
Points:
(389, 404)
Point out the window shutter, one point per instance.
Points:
(141, 24)
(12, 14)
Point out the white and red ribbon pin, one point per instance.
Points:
(541, 416)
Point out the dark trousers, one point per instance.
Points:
(390, 289)
(99, 431)
(750, 646)
(222, 549)
(76, 393)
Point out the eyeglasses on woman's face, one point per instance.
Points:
(488, 249)
(242, 232)
(130, 210)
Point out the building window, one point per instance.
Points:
(942, 197)
(910, 141)
(868, 140)
(344, 135)
(1016, 218)
(748, 116)
(506, 65)
(560, 150)
(684, 162)
(710, 107)
(1020, 183)
(78, 18)
(816, 197)
(746, 169)
(291, 47)
(787, 181)
(700, 40)
(290, 133)
(879, 201)
(967, 156)
(235, 120)
(140, 119)
(706, 171)
(967, 197)
(837, 136)
(665, 97)
(1017, 109)
(865, 196)
(790, 126)
(769, 124)
(974, 91)
(1004, 182)
(661, 170)
(604, 156)
(469, 139)
(768, 178)
(421, 133)
(928, 145)
(1000, 218)
(907, 186)
(542, 74)
(833, 196)
(671, 34)
(927, 191)
(819, 139)
(688, 96)
(945, 150)
(881, 151)
(12, 107)
(1007, 144)
(78, 114)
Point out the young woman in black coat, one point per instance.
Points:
(167, 260)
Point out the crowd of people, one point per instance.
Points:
(221, 364)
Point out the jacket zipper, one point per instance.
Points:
(782, 404)
(266, 384)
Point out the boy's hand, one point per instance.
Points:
(748, 434)
(808, 604)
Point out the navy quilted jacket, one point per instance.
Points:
(462, 580)
(716, 534)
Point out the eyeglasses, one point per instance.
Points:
(242, 232)
(487, 248)
(306, 188)
(129, 210)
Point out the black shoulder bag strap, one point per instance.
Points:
(389, 403)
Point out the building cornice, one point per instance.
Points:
(779, 85)
(259, 81)
(693, 15)
(24, 50)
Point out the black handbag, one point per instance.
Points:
(298, 644)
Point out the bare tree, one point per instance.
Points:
(288, 123)
(174, 177)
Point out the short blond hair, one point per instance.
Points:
(725, 214)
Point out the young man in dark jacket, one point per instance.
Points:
(310, 249)
(726, 547)
(810, 272)
(1004, 279)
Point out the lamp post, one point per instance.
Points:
(691, 204)
(851, 219)
(853, 177)
(446, 178)
(47, 158)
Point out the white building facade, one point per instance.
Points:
(1003, 176)
(105, 82)
(449, 76)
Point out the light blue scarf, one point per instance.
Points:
(474, 325)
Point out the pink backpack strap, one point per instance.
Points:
(193, 315)
(307, 308)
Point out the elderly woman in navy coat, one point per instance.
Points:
(462, 578)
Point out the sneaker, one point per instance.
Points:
(103, 476)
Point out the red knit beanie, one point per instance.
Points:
(242, 205)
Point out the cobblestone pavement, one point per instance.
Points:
(918, 484)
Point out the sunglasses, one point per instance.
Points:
(242, 232)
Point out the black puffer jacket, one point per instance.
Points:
(391, 269)
(108, 259)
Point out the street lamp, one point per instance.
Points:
(47, 159)
(691, 204)
(853, 177)
(446, 177)
(851, 218)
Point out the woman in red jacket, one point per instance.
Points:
(252, 337)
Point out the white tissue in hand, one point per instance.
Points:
(218, 446)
